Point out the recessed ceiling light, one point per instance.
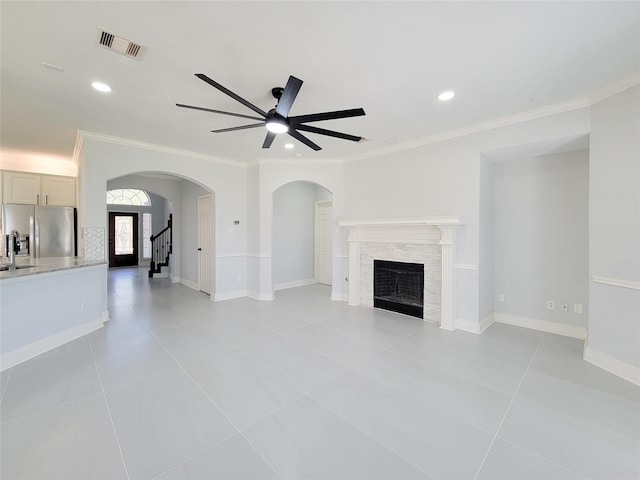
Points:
(101, 87)
(288, 146)
(390, 140)
(444, 96)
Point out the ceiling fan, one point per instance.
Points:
(277, 120)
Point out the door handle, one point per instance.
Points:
(199, 249)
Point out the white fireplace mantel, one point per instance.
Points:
(421, 230)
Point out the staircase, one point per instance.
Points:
(161, 248)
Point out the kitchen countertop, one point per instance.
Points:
(46, 265)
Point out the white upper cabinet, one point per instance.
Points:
(20, 187)
(35, 189)
(58, 191)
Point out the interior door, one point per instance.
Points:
(205, 243)
(324, 247)
(123, 239)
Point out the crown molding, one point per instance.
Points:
(157, 148)
(506, 121)
(77, 148)
(549, 110)
(616, 88)
(299, 161)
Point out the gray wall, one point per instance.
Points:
(294, 231)
(614, 226)
(541, 245)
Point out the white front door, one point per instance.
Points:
(205, 242)
(324, 238)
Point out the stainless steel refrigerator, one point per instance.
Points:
(44, 231)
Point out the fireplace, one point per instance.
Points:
(429, 241)
(399, 287)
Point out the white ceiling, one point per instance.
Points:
(391, 58)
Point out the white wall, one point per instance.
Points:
(614, 231)
(103, 158)
(294, 232)
(486, 259)
(443, 178)
(266, 178)
(541, 246)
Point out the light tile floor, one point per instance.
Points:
(178, 387)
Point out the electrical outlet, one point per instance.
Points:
(551, 305)
(577, 308)
(564, 307)
(83, 306)
(500, 297)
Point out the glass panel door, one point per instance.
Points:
(123, 239)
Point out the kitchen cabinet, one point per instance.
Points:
(58, 191)
(35, 189)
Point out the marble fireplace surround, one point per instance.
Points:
(413, 233)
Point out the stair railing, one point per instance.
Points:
(161, 248)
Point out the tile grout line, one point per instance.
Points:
(239, 432)
(504, 417)
(456, 375)
(579, 420)
(544, 458)
(370, 437)
(113, 426)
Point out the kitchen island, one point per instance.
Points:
(47, 303)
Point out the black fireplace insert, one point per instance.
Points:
(399, 287)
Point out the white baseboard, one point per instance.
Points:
(260, 296)
(11, 359)
(474, 327)
(294, 283)
(541, 325)
(185, 282)
(612, 365)
(221, 296)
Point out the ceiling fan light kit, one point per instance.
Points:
(276, 124)
(277, 120)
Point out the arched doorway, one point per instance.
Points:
(179, 197)
(301, 235)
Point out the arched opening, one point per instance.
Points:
(181, 198)
(302, 238)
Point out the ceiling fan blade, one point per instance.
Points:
(330, 133)
(226, 91)
(268, 140)
(289, 94)
(217, 111)
(241, 127)
(298, 136)
(317, 117)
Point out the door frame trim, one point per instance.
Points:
(135, 233)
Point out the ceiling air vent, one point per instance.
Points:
(119, 44)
